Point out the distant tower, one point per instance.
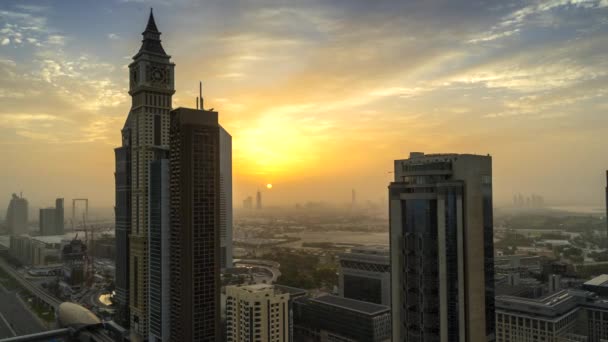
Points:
(353, 203)
(607, 204)
(248, 203)
(16, 215)
(258, 200)
(47, 221)
(59, 214)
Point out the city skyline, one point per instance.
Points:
(523, 81)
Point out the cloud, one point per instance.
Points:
(492, 36)
(5, 41)
(56, 39)
(113, 36)
(32, 8)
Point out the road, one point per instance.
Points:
(34, 289)
(17, 315)
(262, 264)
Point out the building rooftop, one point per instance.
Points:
(601, 280)
(50, 239)
(553, 305)
(374, 249)
(421, 156)
(352, 304)
(255, 287)
(293, 291)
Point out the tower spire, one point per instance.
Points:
(151, 27)
(151, 42)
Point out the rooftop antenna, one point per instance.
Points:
(200, 93)
(197, 102)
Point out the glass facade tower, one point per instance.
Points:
(442, 275)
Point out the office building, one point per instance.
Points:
(333, 318)
(442, 268)
(195, 225)
(526, 319)
(59, 216)
(294, 294)
(566, 315)
(151, 88)
(524, 263)
(598, 285)
(365, 274)
(37, 250)
(159, 248)
(51, 219)
(47, 221)
(257, 313)
(248, 203)
(258, 200)
(122, 216)
(225, 199)
(16, 215)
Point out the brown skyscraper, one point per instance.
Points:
(195, 230)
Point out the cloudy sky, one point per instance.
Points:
(320, 96)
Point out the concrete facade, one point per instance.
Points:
(257, 313)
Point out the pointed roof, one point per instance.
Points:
(151, 27)
(151, 42)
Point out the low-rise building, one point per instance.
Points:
(566, 315)
(528, 319)
(598, 285)
(37, 250)
(365, 274)
(531, 263)
(333, 318)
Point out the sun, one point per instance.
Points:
(269, 186)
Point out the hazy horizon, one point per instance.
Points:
(320, 97)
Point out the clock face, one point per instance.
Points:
(157, 75)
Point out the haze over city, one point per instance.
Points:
(319, 96)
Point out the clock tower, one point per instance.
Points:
(151, 86)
